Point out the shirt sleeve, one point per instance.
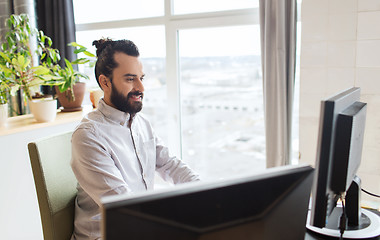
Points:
(172, 168)
(93, 166)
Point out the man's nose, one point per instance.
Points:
(139, 86)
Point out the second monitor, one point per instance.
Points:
(271, 205)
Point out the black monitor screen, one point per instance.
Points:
(254, 207)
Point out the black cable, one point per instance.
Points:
(369, 193)
(343, 219)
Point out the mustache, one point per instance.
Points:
(136, 93)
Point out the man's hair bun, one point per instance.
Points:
(101, 44)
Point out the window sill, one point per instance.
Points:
(27, 122)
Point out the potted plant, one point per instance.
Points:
(4, 89)
(19, 69)
(70, 90)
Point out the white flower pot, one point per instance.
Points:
(43, 110)
(3, 114)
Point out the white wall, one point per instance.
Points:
(340, 48)
(19, 210)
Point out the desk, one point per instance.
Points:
(19, 211)
(313, 236)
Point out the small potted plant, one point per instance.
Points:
(4, 90)
(19, 69)
(70, 89)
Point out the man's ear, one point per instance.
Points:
(104, 82)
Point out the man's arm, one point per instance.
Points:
(93, 166)
(171, 167)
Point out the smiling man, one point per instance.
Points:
(114, 148)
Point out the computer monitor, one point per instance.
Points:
(340, 142)
(270, 205)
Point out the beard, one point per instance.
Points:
(124, 104)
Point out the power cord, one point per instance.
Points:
(369, 193)
(343, 219)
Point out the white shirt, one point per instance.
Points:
(110, 158)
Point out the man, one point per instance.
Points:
(114, 148)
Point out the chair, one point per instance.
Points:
(55, 184)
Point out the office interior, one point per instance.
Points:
(339, 48)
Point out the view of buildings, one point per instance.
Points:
(222, 112)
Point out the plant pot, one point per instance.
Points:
(43, 110)
(66, 100)
(95, 96)
(3, 114)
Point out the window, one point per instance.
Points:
(203, 75)
(90, 11)
(222, 100)
(200, 6)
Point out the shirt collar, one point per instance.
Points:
(113, 114)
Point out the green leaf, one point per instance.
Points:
(42, 39)
(55, 80)
(3, 55)
(80, 61)
(36, 82)
(5, 69)
(21, 59)
(26, 63)
(89, 54)
(58, 56)
(74, 44)
(17, 36)
(80, 50)
(9, 22)
(84, 76)
(50, 42)
(10, 42)
(41, 70)
(69, 66)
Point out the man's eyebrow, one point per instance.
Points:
(130, 75)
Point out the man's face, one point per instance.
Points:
(127, 87)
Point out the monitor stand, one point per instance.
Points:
(361, 223)
(369, 226)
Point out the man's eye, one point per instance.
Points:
(130, 79)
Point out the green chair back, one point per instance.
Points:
(55, 184)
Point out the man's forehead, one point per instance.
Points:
(121, 56)
(126, 61)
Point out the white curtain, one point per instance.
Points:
(278, 20)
